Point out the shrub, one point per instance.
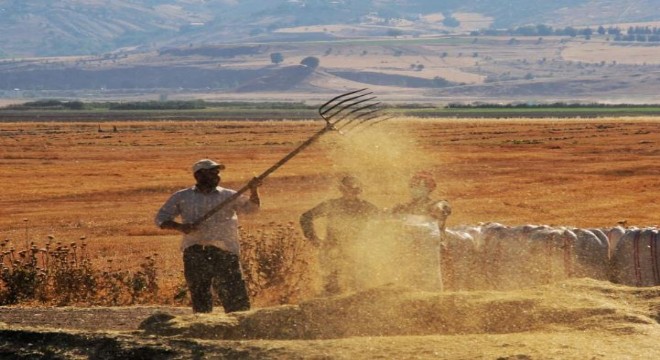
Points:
(159, 105)
(276, 58)
(63, 274)
(274, 261)
(311, 62)
(48, 104)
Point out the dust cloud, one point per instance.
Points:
(572, 305)
(383, 157)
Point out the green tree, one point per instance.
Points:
(310, 61)
(570, 31)
(276, 58)
(544, 30)
(394, 32)
(450, 21)
(587, 32)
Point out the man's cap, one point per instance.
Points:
(423, 178)
(351, 182)
(205, 164)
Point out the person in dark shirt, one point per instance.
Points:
(346, 217)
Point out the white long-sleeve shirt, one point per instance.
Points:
(220, 230)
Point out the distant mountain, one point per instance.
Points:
(83, 27)
(406, 50)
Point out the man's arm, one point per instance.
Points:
(171, 224)
(307, 222)
(168, 212)
(440, 210)
(372, 210)
(251, 203)
(254, 191)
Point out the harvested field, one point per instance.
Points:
(105, 182)
(576, 319)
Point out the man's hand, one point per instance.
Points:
(315, 241)
(187, 228)
(440, 210)
(255, 183)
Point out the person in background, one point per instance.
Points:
(422, 225)
(211, 249)
(346, 217)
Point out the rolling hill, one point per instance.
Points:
(85, 27)
(408, 50)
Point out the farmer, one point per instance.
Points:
(346, 217)
(422, 225)
(210, 249)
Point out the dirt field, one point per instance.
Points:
(577, 319)
(620, 53)
(71, 180)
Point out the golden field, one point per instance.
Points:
(73, 180)
(104, 182)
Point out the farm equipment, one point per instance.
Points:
(342, 113)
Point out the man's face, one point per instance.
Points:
(419, 190)
(209, 178)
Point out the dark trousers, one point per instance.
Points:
(208, 266)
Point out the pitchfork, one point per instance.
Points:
(341, 112)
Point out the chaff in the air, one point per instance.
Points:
(352, 108)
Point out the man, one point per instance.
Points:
(423, 222)
(346, 218)
(210, 249)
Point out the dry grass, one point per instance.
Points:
(69, 180)
(622, 53)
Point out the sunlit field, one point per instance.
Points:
(103, 183)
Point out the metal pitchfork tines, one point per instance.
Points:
(342, 113)
(347, 108)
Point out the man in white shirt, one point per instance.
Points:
(423, 220)
(211, 249)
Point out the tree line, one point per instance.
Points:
(54, 104)
(545, 105)
(633, 33)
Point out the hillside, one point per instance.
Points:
(84, 27)
(413, 69)
(456, 51)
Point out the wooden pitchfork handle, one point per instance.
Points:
(262, 176)
(350, 105)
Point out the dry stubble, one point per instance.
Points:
(72, 180)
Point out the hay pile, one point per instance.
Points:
(577, 304)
